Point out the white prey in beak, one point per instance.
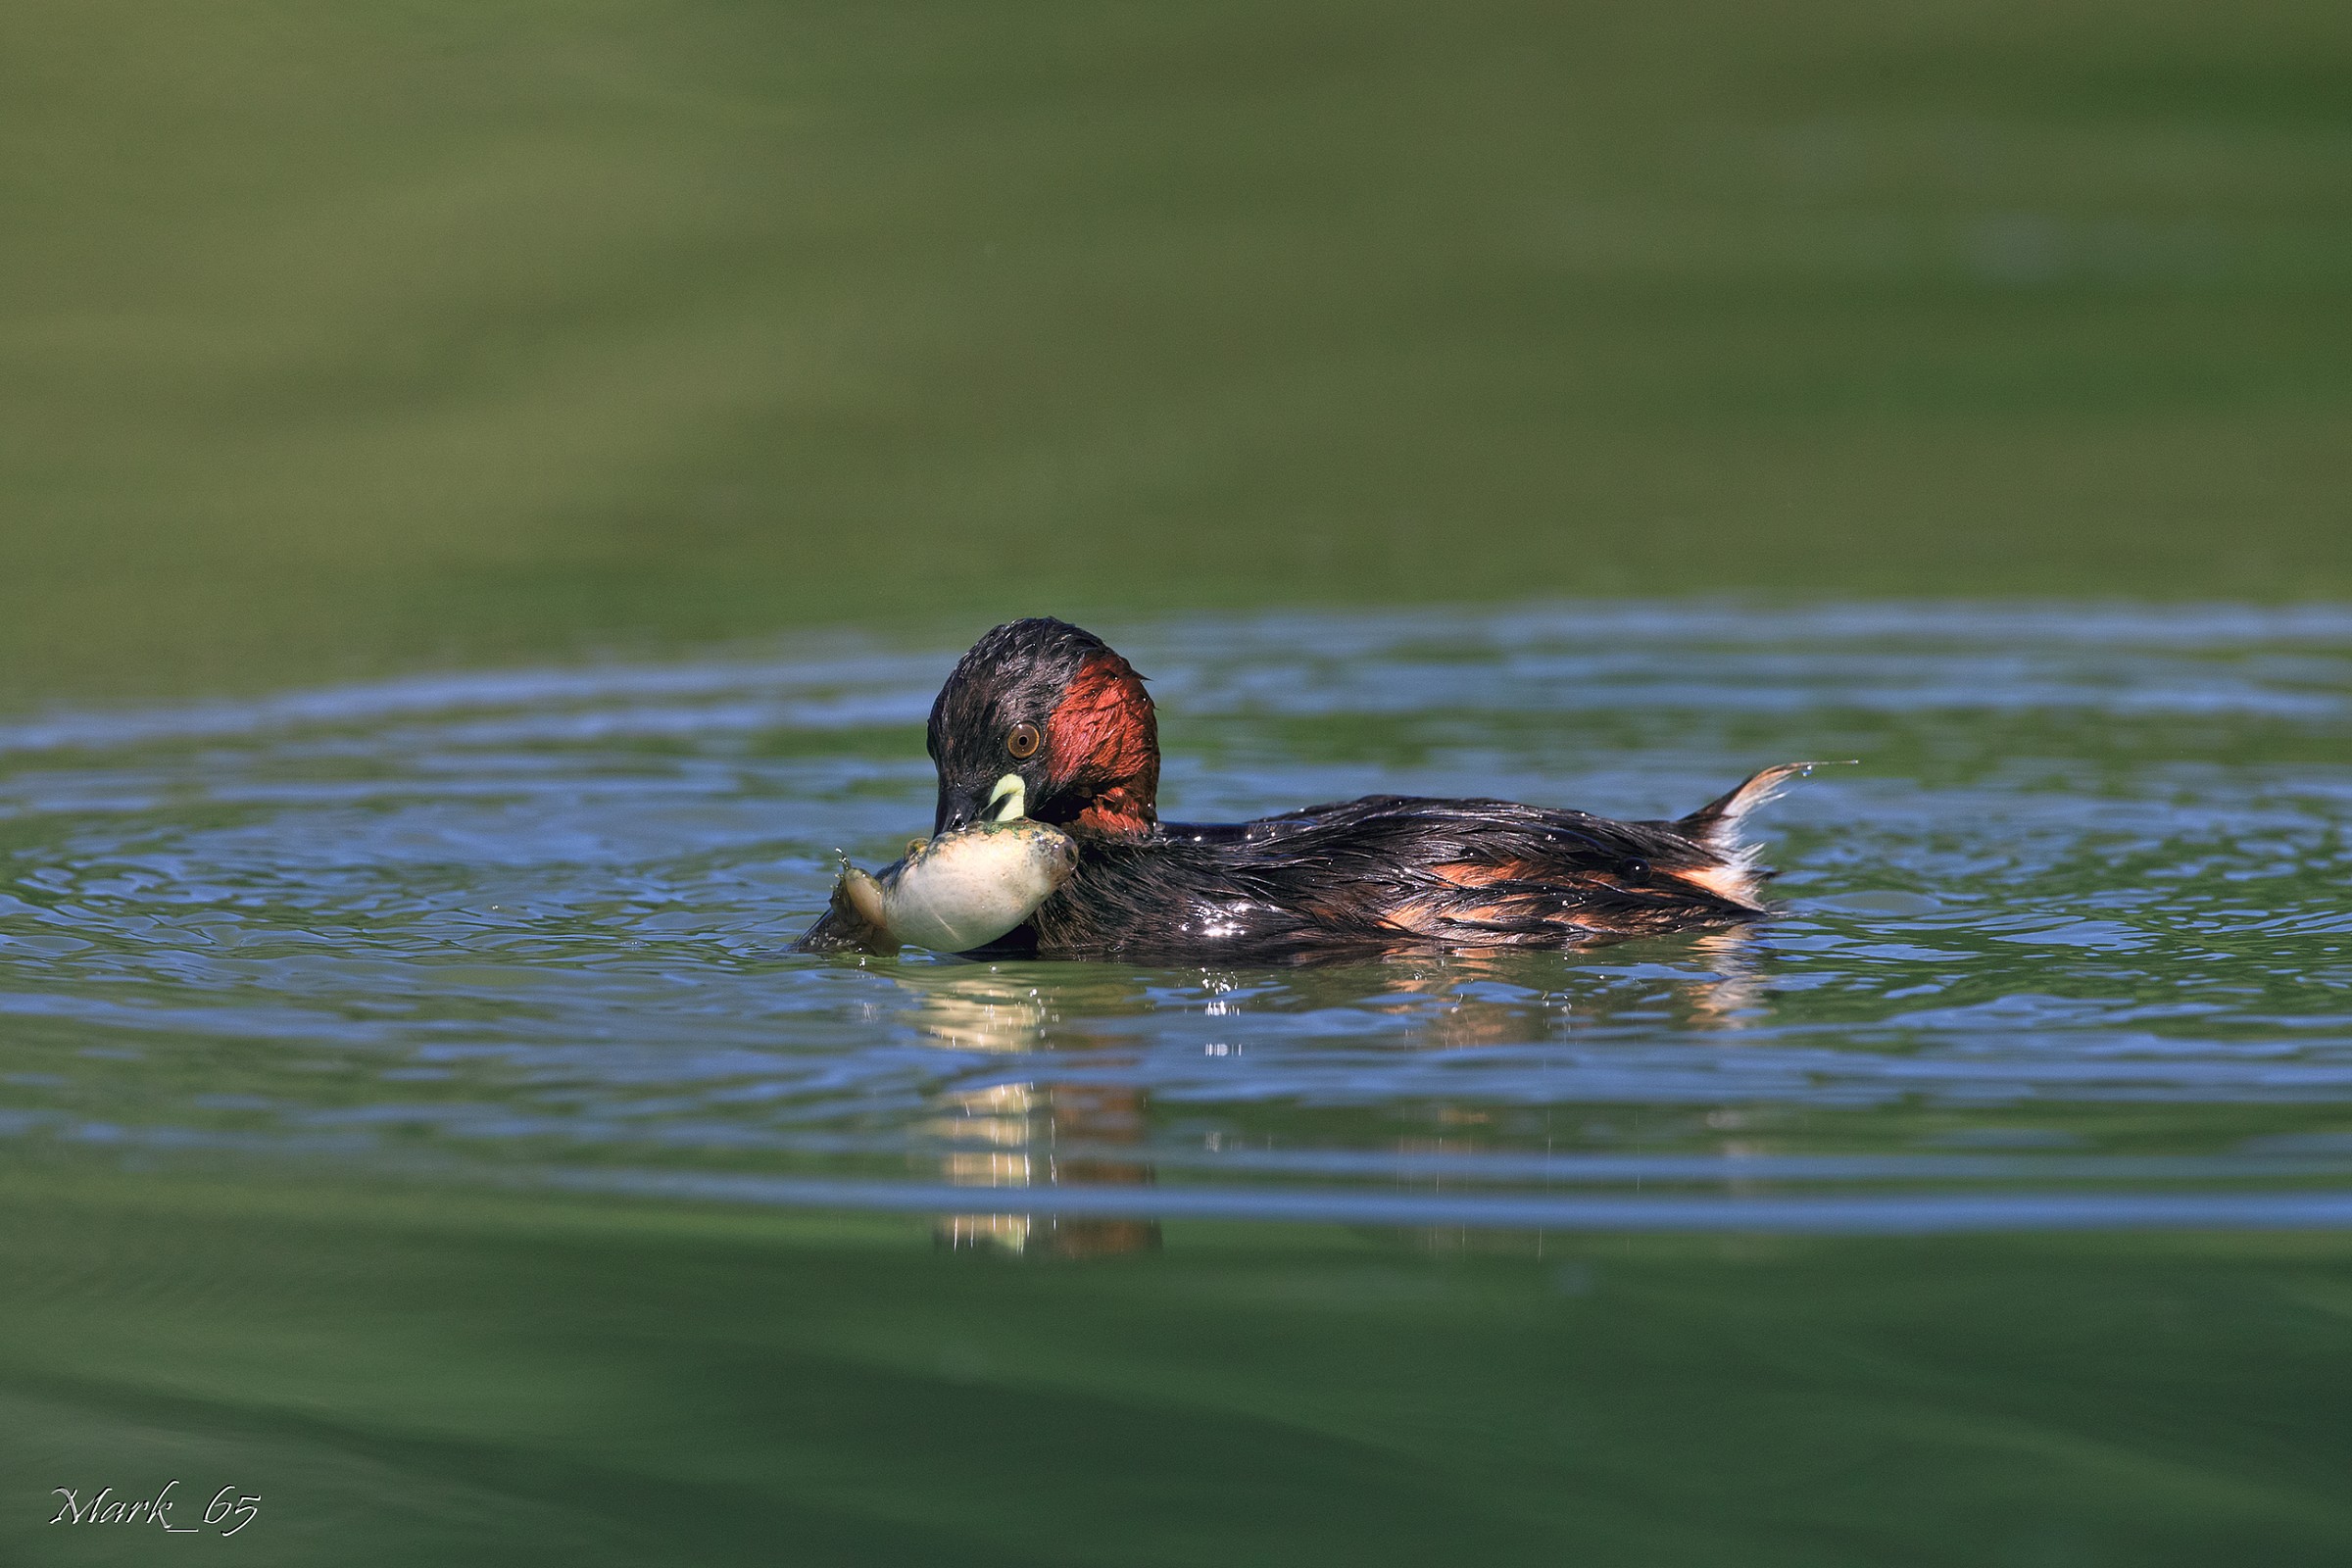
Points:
(965, 889)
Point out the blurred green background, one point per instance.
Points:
(337, 338)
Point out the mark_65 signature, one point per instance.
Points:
(109, 1508)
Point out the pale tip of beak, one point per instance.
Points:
(1013, 791)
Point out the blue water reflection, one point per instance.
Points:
(2069, 948)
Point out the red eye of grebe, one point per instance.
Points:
(1023, 740)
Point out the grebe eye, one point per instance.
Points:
(1023, 741)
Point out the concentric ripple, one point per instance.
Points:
(2069, 947)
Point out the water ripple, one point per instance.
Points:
(2085, 891)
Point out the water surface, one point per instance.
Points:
(468, 992)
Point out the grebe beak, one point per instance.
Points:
(961, 804)
(1008, 802)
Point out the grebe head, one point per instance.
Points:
(1043, 717)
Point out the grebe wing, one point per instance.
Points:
(1282, 825)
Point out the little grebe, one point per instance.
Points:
(1045, 704)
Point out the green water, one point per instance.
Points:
(404, 1381)
(411, 1119)
(337, 339)
(487, 492)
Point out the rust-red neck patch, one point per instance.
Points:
(1102, 745)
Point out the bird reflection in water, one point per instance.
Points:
(1018, 1135)
(1489, 996)
(1010, 1136)
(1725, 990)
